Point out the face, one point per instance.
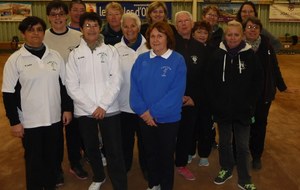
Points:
(252, 31)
(130, 29)
(158, 42)
(75, 12)
(57, 19)
(90, 31)
(233, 36)
(201, 35)
(184, 24)
(211, 17)
(113, 17)
(34, 36)
(157, 15)
(247, 11)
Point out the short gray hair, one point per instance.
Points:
(183, 12)
(133, 16)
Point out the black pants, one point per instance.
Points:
(40, 146)
(258, 129)
(203, 133)
(74, 144)
(110, 128)
(160, 145)
(185, 135)
(131, 129)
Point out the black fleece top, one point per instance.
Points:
(234, 84)
(272, 75)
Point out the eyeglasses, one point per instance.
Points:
(57, 14)
(89, 26)
(212, 15)
(252, 27)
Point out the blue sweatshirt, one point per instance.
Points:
(158, 85)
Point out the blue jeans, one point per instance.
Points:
(241, 136)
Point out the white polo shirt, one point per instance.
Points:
(40, 89)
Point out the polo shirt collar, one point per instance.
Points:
(166, 55)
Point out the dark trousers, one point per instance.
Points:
(40, 146)
(131, 129)
(203, 132)
(74, 144)
(185, 135)
(258, 129)
(241, 136)
(110, 128)
(160, 145)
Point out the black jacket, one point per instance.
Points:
(110, 36)
(195, 55)
(234, 84)
(272, 75)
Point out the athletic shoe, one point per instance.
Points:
(248, 186)
(203, 162)
(154, 188)
(190, 158)
(96, 185)
(79, 172)
(186, 173)
(223, 176)
(60, 179)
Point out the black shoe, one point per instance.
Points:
(222, 177)
(60, 179)
(256, 164)
(79, 172)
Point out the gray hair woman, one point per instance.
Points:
(131, 46)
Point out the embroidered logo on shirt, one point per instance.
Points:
(165, 70)
(194, 58)
(52, 64)
(102, 56)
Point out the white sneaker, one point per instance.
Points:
(96, 185)
(154, 188)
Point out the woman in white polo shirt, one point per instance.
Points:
(33, 91)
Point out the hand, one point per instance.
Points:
(67, 117)
(17, 130)
(147, 117)
(188, 101)
(99, 113)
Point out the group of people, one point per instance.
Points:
(162, 84)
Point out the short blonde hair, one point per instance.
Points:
(114, 5)
(233, 23)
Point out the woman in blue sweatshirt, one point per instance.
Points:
(158, 80)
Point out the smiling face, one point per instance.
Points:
(247, 11)
(130, 29)
(201, 35)
(34, 36)
(158, 42)
(233, 36)
(211, 17)
(90, 31)
(58, 20)
(157, 15)
(75, 12)
(252, 31)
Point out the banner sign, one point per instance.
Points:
(14, 11)
(140, 8)
(284, 13)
